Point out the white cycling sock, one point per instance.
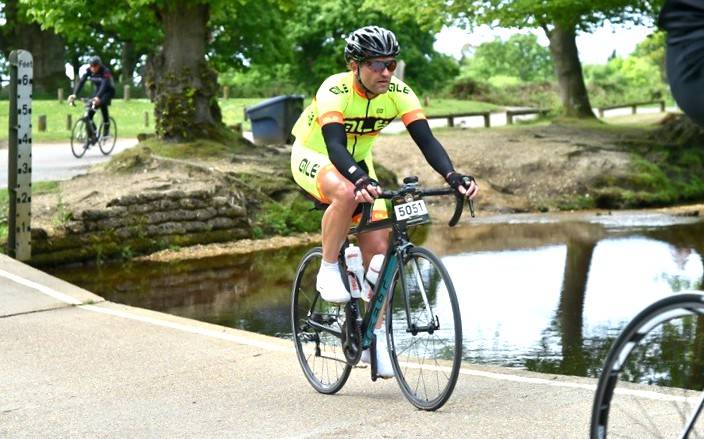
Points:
(329, 266)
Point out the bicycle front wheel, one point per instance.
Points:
(108, 143)
(317, 327)
(79, 138)
(424, 330)
(651, 384)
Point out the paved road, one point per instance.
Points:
(54, 161)
(74, 365)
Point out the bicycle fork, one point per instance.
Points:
(432, 319)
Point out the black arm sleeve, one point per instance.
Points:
(79, 86)
(432, 150)
(336, 142)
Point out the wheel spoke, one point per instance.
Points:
(428, 361)
(651, 384)
(319, 351)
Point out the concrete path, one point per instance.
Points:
(55, 161)
(74, 365)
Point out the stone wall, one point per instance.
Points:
(138, 224)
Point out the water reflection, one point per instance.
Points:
(248, 292)
(547, 296)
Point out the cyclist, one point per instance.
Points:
(684, 22)
(331, 156)
(103, 90)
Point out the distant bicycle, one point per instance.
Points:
(652, 380)
(85, 134)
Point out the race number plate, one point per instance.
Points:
(412, 212)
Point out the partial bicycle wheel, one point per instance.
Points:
(79, 138)
(317, 327)
(108, 143)
(424, 330)
(652, 381)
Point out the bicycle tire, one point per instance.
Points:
(107, 147)
(641, 393)
(319, 353)
(426, 364)
(79, 139)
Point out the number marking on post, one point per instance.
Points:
(20, 160)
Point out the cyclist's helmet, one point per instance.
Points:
(371, 42)
(95, 61)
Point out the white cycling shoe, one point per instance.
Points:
(329, 285)
(384, 369)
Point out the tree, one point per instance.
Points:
(182, 83)
(559, 19)
(318, 30)
(47, 48)
(653, 49)
(521, 56)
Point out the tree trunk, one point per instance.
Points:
(568, 69)
(47, 48)
(128, 60)
(181, 84)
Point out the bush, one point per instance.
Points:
(504, 90)
(624, 80)
(260, 82)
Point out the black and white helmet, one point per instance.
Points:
(95, 60)
(371, 42)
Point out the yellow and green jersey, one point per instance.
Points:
(340, 100)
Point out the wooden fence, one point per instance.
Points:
(633, 106)
(487, 115)
(451, 117)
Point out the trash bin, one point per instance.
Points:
(273, 119)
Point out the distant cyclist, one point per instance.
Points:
(331, 157)
(684, 22)
(103, 90)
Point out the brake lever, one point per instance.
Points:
(471, 207)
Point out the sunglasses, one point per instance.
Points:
(379, 66)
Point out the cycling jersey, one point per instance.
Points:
(340, 100)
(103, 83)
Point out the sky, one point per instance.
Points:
(594, 48)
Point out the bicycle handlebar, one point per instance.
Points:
(87, 102)
(412, 188)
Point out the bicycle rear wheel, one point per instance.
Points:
(107, 144)
(79, 138)
(651, 384)
(317, 327)
(426, 352)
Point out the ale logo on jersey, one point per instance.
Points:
(308, 168)
(366, 125)
(336, 90)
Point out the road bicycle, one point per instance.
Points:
(652, 380)
(85, 134)
(422, 318)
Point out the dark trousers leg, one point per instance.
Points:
(106, 119)
(685, 73)
(89, 127)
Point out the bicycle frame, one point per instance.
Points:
(395, 255)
